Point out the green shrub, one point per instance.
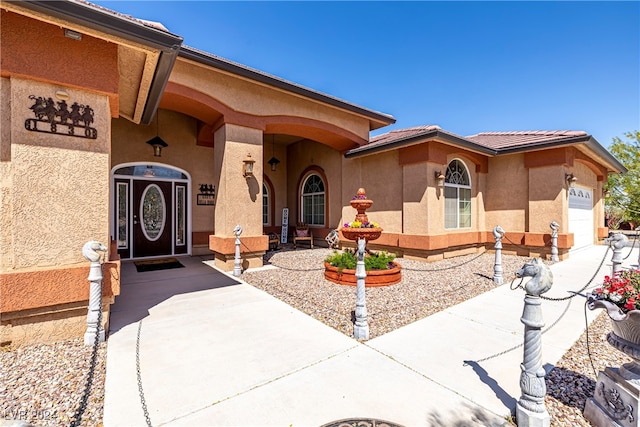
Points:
(348, 259)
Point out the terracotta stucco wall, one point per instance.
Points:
(507, 193)
(42, 52)
(179, 131)
(57, 186)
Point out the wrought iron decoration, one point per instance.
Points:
(207, 195)
(60, 118)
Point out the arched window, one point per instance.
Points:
(265, 205)
(457, 196)
(313, 200)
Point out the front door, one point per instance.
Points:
(152, 218)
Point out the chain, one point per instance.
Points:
(493, 356)
(586, 329)
(570, 298)
(444, 268)
(524, 247)
(77, 417)
(296, 269)
(573, 294)
(139, 376)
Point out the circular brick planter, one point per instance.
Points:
(375, 278)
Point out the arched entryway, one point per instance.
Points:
(150, 210)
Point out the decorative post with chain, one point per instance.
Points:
(361, 327)
(530, 409)
(617, 242)
(237, 262)
(554, 241)
(498, 233)
(94, 326)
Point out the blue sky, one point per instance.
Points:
(465, 66)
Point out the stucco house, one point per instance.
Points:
(111, 129)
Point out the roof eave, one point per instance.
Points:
(588, 140)
(108, 23)
(237, 69)
(365, 150)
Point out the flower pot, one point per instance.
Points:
(625, 336)
(361, 233)
(375, 278)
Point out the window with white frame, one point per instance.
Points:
(313, 200)
(457, 196)
(265, 205)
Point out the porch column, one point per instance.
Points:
(238, 198)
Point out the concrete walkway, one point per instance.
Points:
(215, 351)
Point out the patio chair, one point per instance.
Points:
(302, 234)
(274, 241)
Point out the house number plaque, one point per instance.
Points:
(59, 119)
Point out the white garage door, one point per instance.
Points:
(581, 217)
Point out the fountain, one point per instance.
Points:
(361, 228)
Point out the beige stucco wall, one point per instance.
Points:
(54, 183)
(547, 199)
(507, 191)
(179, 132)
(419, 212)
(238, 199)
(278, 179)
(301, 156)
(381, 176)
(6, 177)
(253, 98)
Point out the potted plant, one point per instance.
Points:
(620, 296)
(381, 268)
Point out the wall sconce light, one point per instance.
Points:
(247, 166)
(440, 178)
(273, 161)
(571, 179)
(156, 142)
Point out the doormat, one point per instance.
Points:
(157, 264)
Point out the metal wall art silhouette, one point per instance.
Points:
(61, 120)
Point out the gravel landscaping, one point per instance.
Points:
(43, 384)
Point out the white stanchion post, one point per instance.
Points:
(530, 408)
(498, 233)
(361, 327)
(94, 326)
(237, 262)
(617, 242)
(554, 241)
